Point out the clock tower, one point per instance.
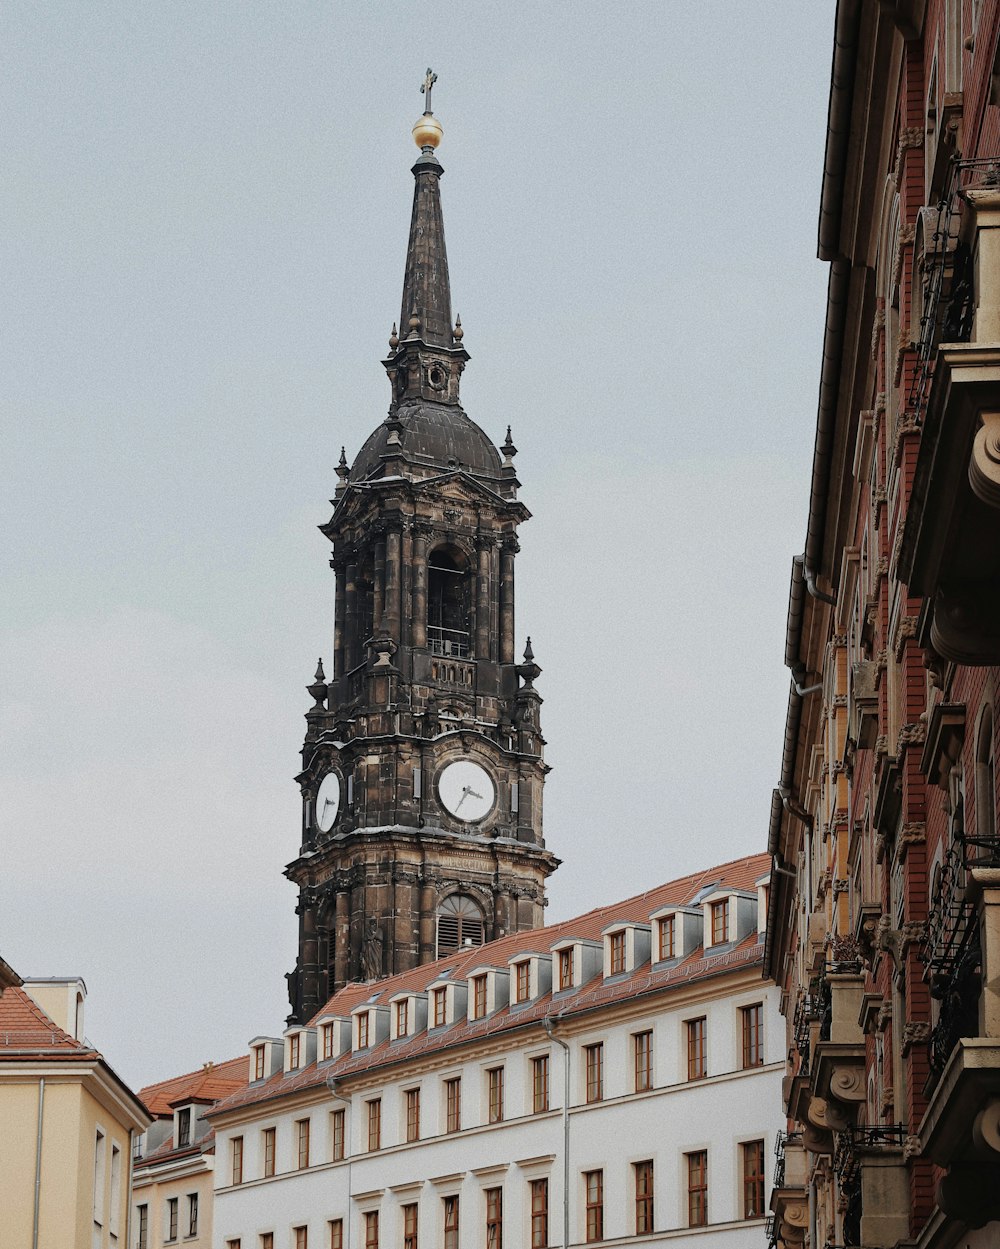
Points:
(423, 763)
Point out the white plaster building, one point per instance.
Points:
(428, 1109)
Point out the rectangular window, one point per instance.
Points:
(666, 936)
(301, 1237)
(258, 1062)
(143, 1228)
(453, 1097)
(440, 1007)
(269, 1135)
(302, 1137)
(363, 1031)
(494, 1218)
(267, 1240)
(617, 953)
(643, 1197)
(751, 1020)
(413, 1114)
(402, 1013)
(595, 1071)
(172, 1218)
(478, 997)
(410, 1226)
(523, 987)
(753, 1179)
(327, 1040)
(184, 1127)
(539, 1214)
(451, 1223)
(236, 1158)
(336, 1135)
(100, 1163)
(336, 1234)
(540, 1084)
(375, 1124)
(371, 1229)
(495, 1075)
(697, 1169)
(294, 1050)
(697, 1067)
(594, 1189)
(192, 1214)
(643, 1042)
(566, 969)
(720, 922)
(233, 1244)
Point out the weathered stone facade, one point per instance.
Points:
(424, 535)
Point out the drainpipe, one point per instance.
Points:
(333, 1084)
(38, 1163)
(550, 1029)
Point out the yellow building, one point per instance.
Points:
(174, 1162)
(67, 1125)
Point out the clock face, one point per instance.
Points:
(328, 802)
(467, 790)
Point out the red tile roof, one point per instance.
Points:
(209, 1083)
(26, 1031)
(739, 874)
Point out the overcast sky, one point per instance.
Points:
(205, 212)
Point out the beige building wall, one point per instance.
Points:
(156, 1195)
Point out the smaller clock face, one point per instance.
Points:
(328, 802)
(466, 790)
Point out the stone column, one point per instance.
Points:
(378, 588)
(390, 618)
(338, 619)
(418, 636)
(507, 601)
(985, 889)
(351, 649)
(483, 601)
(985, 203)
(342, 938)
(406, 585)
(428, 923)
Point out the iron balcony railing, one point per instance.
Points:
(453, 643)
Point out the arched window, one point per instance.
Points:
(986, 789)
(459, 924)
(448, 604)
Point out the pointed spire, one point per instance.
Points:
(426, 289)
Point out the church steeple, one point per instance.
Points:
(423, 764)
(427, 357)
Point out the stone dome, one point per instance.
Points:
(433, 436)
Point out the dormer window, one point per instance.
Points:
(362, 1042)
(258, 1062)
(402, 1017)
(720, 922)
(617, 953)
(478, 997)
(294, 1051)
(440, 1001)
(566, 969)
(184, 1127)
(328, 1040)
(522, 987)
(666, 938)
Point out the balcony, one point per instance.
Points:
(874, 1184)
(950, 551)
(838, 1068)
(789, 1199)
(961, 1126)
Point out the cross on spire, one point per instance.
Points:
(430, 78)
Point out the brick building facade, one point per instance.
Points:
(882, 932)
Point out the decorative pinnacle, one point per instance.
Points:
(430, 78)
(458, 333)
(509, 451)
(529, 654)
(394, 337)
(342, 469)
(320, 674)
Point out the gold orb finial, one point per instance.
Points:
(427, 130)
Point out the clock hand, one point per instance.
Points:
(465, 793)
(472, 794)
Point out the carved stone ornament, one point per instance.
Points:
(984, 465)
(911, 1148)
(986, 1126)
(915, 1033)
(847, 1083)
(878, 325)
(884, 1016)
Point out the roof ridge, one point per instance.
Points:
(191, 1075)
